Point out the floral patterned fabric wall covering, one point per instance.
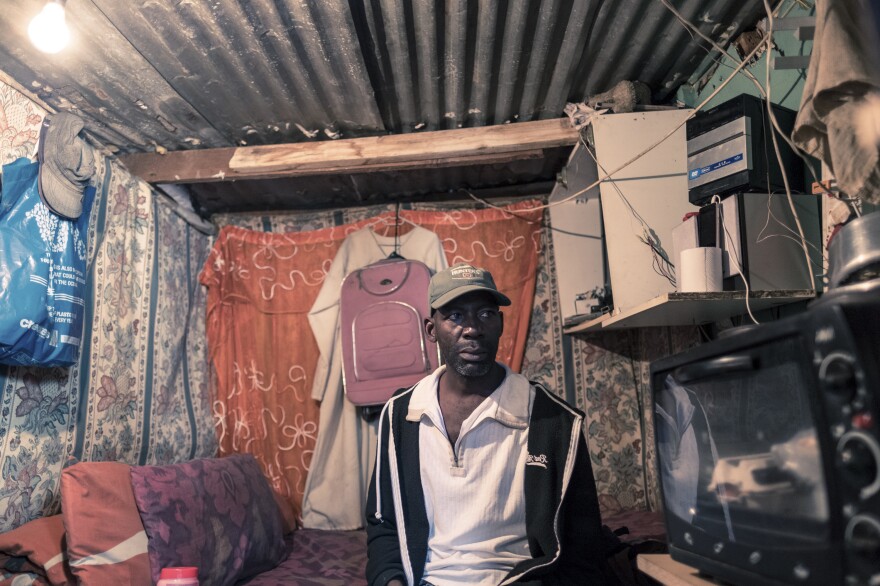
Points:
(612, 384)
(139, 393)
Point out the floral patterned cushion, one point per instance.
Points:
(215, 514)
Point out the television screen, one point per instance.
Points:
(738, 454)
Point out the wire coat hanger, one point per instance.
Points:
(395, 254)
(397, 221)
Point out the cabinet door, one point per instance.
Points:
(577, 235)
(653, 188)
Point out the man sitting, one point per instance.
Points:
(481, 477)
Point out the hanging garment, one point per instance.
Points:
(42, 273)
(384, 346)
(839, 118)
(338, 477)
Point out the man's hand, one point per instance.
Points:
(395, 582)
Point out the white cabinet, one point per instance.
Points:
(635, 213)
(577, 234)
(605, 220)
(642, 202)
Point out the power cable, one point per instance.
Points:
(729, 244)
(693, 113)
(785, 182)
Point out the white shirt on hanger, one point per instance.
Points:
(339, 473)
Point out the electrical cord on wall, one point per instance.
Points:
(763, 237)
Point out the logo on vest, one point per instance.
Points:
(539, 460)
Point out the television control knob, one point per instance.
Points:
(837, 374)
(863, 536)
(858, 456)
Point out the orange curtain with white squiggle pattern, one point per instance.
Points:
(507, 244)
(260, 289)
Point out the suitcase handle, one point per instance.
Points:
(384, 282)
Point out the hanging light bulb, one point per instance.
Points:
(48, 30)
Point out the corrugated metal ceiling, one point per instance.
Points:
(184, 74)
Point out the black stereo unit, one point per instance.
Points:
(730, 150)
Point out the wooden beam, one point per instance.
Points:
(197, 166)
(403, 148)
(442, 148)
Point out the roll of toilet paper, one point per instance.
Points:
(699, 270)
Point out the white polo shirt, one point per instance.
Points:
(474, 493)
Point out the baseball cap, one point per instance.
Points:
(459, 279)
(66, 164)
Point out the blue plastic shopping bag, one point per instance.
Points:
(42, 273)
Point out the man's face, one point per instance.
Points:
(467, 330)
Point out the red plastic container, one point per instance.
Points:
(184, 576)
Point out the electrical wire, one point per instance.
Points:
(762, 237)
(542, 222)
(785, 182)
(660, 260)
(607, 176)
(729, 245)
(704, 333)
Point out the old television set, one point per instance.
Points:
(767, 447)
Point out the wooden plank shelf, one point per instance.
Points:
(682, 309)
(665, 570)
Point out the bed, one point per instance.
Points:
(338, 558)
(220, 515)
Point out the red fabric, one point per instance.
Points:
(41, 541)
(93, 493)
(506, 243)
(261, 287)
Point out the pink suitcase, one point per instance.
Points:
(382, 312)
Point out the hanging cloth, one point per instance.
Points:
(260, 288)
(839, 118)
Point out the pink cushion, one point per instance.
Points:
(216, 514)
(106, 541)
(42, 542)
